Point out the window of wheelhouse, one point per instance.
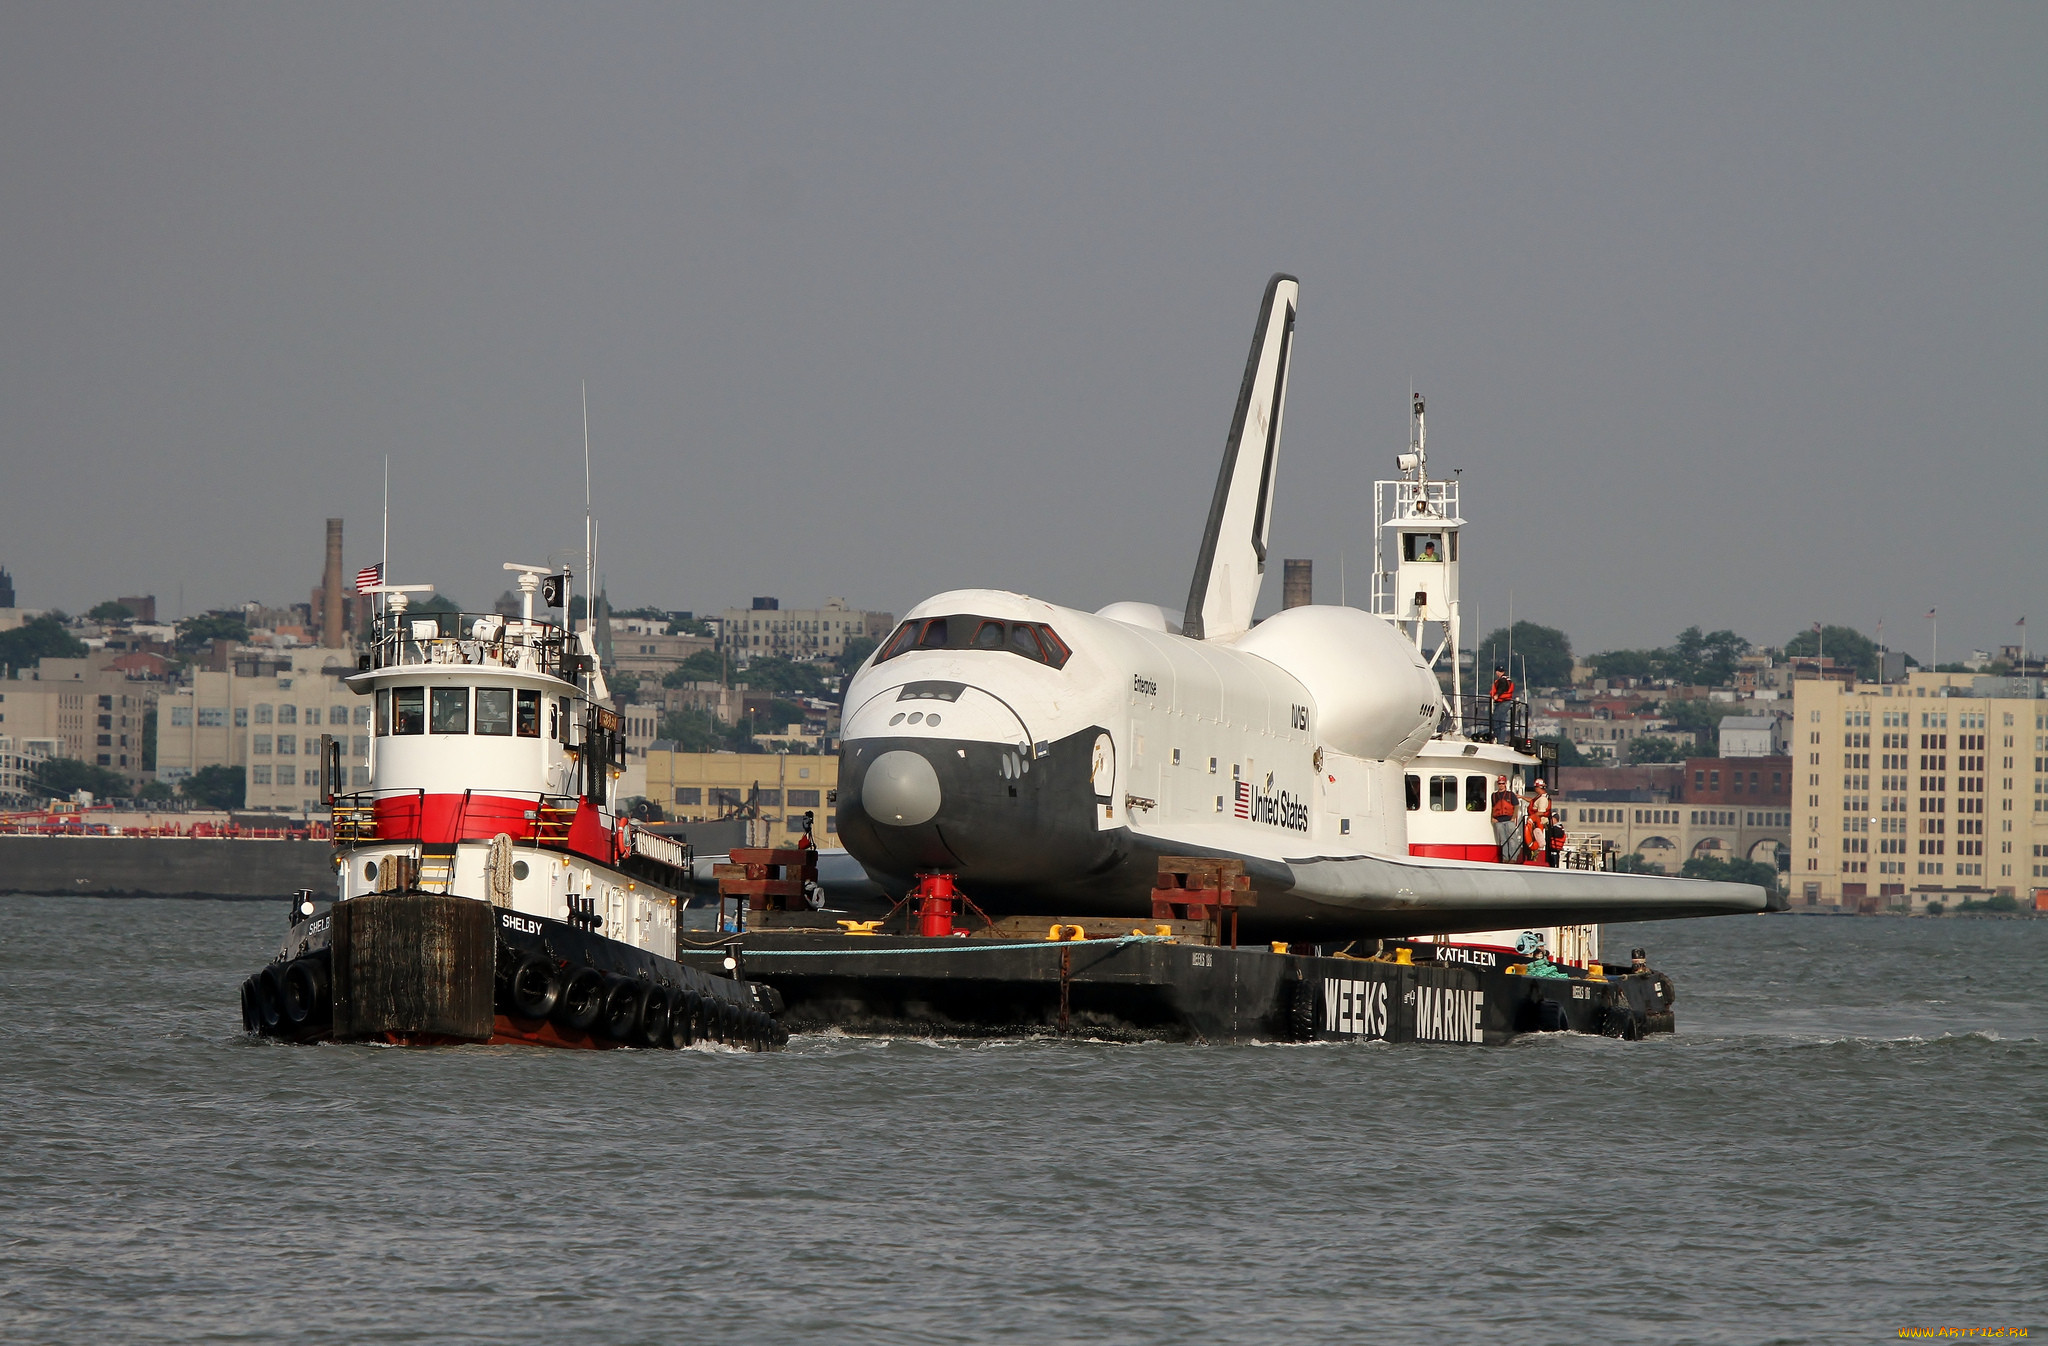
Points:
(527, 716)
(450, 711)
(494, 711)
(1443, 794)
(1414, 793)
(408, 710)
(383, 712)
(1477, 796)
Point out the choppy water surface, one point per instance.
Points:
(1849, 1136)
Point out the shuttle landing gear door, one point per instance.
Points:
(1102, 779)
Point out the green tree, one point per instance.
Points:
(1696, 658)
(773, 673)
(703, 666)
(154, 792)
(195, 633)
(1634, 863)
(1568, 753)
(113, 610)
(1732, 871)
(695, 730)
(1706, 660)
(435, 602)
(1543, 654)
(1843, 644)
(1655, 748)
(38, 638)
(854, 655)
(218, 787)
(63, 776)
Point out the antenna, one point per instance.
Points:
(589, 529)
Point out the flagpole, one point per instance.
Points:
(384, 561)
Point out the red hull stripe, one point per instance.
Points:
(440, 819)
(1488, 854)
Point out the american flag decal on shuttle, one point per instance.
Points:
(1244, 799)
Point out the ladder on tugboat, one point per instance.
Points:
(437, 867)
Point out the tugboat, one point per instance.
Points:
(487, 889)
(1483, 742)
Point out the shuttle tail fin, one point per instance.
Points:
(1233, 557)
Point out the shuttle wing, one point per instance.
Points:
(1233, 557)
(1368, 895)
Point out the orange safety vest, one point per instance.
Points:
(1503, 803)
(1503, 688)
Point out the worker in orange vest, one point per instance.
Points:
(1503, 693)
(1507, 829)
(1538, 825)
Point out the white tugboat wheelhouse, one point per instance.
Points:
(494, 759)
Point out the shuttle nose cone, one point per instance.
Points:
(900, 789)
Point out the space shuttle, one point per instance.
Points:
(1046, 758)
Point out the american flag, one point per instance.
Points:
(369, 577)
(1244, 799)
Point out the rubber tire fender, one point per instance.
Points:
(1551, 1016)
(304, 997)
(534, 988)
(622, 999)
(682, 1019)
(270, 999)
(250, 1023)
(655, 1012)
(1665, 991)
(582, 999)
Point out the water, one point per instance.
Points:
(1849, 1137)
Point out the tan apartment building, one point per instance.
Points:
(265, 714)
(88, 709)
(809, 633)
(700, 786)
(1918, 793)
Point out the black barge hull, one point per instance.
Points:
(1147, 989)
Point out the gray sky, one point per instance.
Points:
(1731, 315)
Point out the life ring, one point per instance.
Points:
(622, 999)
(270, 998)
(303, 993)
(654, 1017)
(582, 999)
(534, 988)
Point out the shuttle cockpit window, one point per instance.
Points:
(1033, 640)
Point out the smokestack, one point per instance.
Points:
(1297, 584)
(331, 632)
